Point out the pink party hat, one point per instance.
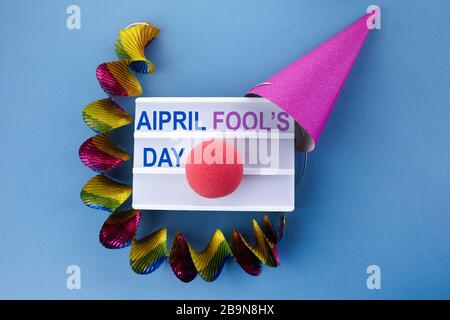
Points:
(308, 88)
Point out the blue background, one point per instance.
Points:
(376, 190)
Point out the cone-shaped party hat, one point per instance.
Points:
(308, 88)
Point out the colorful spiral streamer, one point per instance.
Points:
(131, 43)
(105, 115)
(148, 253)
(100, 154)
(115, 77)
(101, 192)
(120, 228)
(104, 194)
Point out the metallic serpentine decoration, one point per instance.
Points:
(100, 192)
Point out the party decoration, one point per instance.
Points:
(105, 194)
(308, 88)
(243, 255)
(114, 77)
(264, 250)
(274, 236)
(105, 115)
(131, 43)
(100, 154)
(120, 228)
(147, 254)
(209, 262)
(180, 259)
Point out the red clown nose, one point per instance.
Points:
(214, 169)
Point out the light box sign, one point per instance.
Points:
(166, 130)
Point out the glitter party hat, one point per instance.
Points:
(308, 88)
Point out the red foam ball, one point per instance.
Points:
(214, 169)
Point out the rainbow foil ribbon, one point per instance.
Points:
(100, 154)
